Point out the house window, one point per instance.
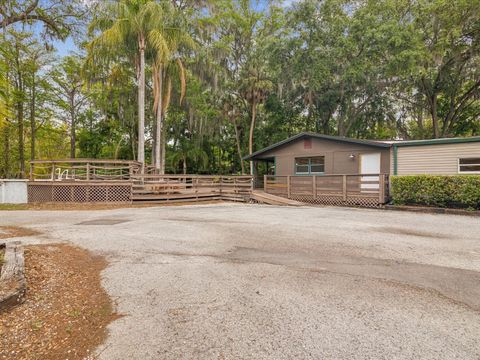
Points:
(310, 165)
(469, 165)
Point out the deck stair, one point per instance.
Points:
(264, 198)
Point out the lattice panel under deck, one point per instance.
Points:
(79, 193)
(39, 194)
(338, 200)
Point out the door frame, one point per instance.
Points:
(370, 187)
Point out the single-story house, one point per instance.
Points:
(316, 154)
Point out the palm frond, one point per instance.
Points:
(160, 44)
(168, 95)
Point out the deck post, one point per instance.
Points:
(314, 187)
(195, 186)
(88, 171)
(344, 187)
(131, 192)
(265, 183)
(288, 187)
(130, 171)
(31, 171)
(53, 171)
(167, 188)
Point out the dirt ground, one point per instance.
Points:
(15, 231)
(66, 310)
(2, 253)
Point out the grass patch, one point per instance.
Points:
(14, 207)
(100, 206)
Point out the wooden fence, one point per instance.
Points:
(368, 190)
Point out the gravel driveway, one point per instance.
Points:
(232, 281)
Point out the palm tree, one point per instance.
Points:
(232, 113)
(188, 150)
(255, 88)
(129, 28)
(167, 38)
(163, 95)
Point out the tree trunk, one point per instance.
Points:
(21, 139)
(433, 112)
(419, 119)
(32, 120)
(141, 104)
(132, 142)
(6, 150)
(184, 165)
(19, 104)
(154, 144)
(159, 123)
(250, 138)
(73, 137)
(341, 126)
(117, 149)
(239, 148)
(163, 149)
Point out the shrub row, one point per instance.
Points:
(457, 191)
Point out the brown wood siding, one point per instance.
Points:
(337, 160)
(433, 159)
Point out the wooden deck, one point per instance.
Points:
(366, 190)
(111, 181)
(160, 188)
(117, 181)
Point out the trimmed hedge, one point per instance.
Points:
(456, 191)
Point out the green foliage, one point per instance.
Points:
(59, 18)
(253, 75)
(442, 191)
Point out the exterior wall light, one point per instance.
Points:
(351, 156)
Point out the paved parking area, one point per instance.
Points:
(228, 281)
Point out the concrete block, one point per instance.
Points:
(13, 191)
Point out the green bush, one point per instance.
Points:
(458, 191)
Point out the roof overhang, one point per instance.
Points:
(436, 141)
(372, 143)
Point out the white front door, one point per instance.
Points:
(369, 164)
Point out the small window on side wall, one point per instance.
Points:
(302, 166)
(469, 165)
(310, 165)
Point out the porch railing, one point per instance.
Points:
(348, 189)
(170, 187)
(83, 170)
(139, 187)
